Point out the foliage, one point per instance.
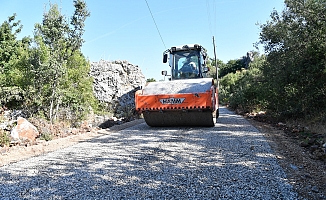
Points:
(46, 136)
(244, 88)
(234, 65)
(61, 71)
(78, 23)
(150, 80)
(231, 67)
(290, 81)
(77, 88)
(49, 72)
(212, 67)
(4, 138)
(13, 58)
(295, 41)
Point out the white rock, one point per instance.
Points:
(116, 81)
(14, 134)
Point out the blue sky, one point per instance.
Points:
(125, 30)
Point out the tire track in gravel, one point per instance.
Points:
(229, 161)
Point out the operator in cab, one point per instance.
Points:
(189, 69)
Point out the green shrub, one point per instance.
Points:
(46, 136)
(4, 138)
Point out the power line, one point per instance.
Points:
(155, 24)
(214, 10)
(209, 16)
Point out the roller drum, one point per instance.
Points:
(179, 118)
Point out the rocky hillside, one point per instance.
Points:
(115, 83)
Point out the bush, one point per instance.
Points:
(46, 136)
(244, 89)
(4, 138)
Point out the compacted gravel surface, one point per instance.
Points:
(229, 161)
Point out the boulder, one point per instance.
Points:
(115, 83)
(24, 130)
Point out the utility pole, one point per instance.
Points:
(216, 65)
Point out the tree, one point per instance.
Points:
(231, 67)
(13, 61)
(212, 67)
(52, 35)
(57, 57)
(77, 88)
(295, 73)
(78, 23)
(50, 77)
(244, 88)
(8, 43)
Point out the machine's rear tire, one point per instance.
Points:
(217, 113)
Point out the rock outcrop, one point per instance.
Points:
(115, 83)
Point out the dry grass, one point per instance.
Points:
(312, 127)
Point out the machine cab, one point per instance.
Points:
(186, 62)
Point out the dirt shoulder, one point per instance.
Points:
(16, 153)
(306, 174)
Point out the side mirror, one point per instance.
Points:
(165, 58)
(164, 73)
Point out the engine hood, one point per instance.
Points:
(178, 86)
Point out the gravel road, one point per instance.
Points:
(229, 161)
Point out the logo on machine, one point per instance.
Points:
(172, 100)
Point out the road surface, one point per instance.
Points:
(229, 161)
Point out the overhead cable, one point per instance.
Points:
(209, 16)
(155, 24)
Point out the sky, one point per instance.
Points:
(125, 29)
